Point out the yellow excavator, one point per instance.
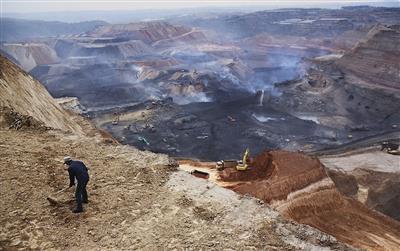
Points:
(242, 165)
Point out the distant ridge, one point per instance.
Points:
(13, 29)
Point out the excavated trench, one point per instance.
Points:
(378, 190)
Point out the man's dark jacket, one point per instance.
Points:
(79, 171)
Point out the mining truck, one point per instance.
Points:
(239, 165)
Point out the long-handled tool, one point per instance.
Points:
(52, 200)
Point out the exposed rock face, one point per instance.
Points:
(28, 56)
(192, 36)
(290, 45)
(148, 32)
(238, 68)
(350, 86)
(108, 50)
(72, 104)
(375, 61)
(27, 96)
(298, 187)
(377, 190)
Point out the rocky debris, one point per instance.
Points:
(14, 120)
(244, 213)
(27, 97)
(72, 104)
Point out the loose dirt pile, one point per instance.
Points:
(17, 121)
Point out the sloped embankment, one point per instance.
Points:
(298, 187)
(25, 95)
(30, 55)
(376, 59)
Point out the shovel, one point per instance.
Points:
(54, 201)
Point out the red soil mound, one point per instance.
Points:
(276, 174)
(298, 186)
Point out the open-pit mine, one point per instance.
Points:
(297, 109)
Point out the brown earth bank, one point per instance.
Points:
(368, 175)
(22, 93)
(377, 190)
(299, 188)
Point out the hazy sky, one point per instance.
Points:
(104, 5)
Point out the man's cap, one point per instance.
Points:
(67, 159)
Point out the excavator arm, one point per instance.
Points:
(243, 166)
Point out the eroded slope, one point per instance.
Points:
(25, 95)
(375, 60)
(299, 188)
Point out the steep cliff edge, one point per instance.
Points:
(376, 59)
(26, 96)
(359, 89)
(30, 55)
(148, 32)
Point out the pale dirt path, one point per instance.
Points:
(374, 159)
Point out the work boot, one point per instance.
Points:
(78, 210)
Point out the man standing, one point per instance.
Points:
(77, 170)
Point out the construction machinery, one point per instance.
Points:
(391, 148)
(222, 164)
(116, 118)
(243, 164)
(143, 140)
(239, 165)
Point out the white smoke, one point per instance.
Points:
(199, 97)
